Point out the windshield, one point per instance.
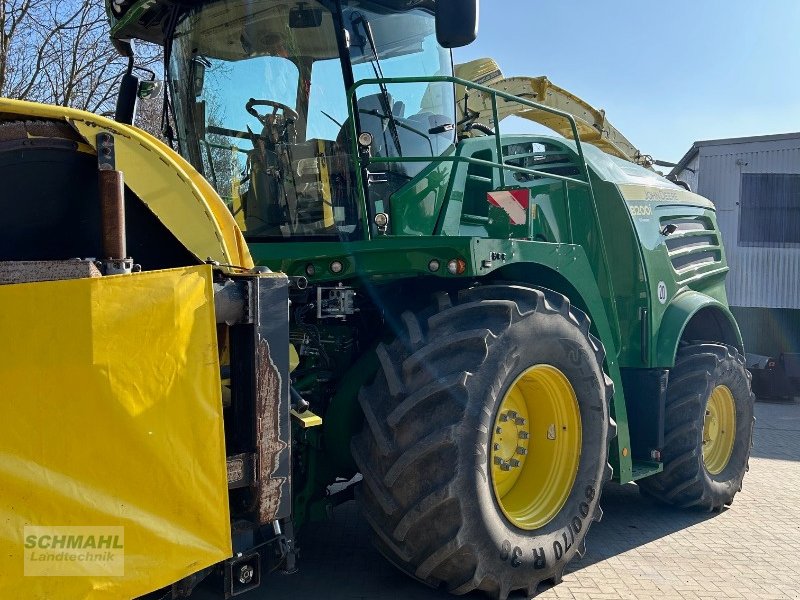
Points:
(411, 119)
(261, 110)
(242, 73)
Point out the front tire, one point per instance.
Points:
(436, 491)
(709, 429)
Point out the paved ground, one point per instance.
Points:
(639, 550)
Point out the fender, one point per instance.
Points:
(166, 183)
(681, 311)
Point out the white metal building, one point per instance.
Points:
(755, 184)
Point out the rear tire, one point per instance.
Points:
(425, 455)
(706, 475)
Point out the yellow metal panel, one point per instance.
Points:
(592, 125)
(170, 187)
(325, 178)
(112, 420)
(307, 419)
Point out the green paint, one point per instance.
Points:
(611, 270)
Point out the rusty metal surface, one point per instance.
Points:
(271, 477)
(28, 271)
(259, 419)
(112, 210)
(241, 470)
(270, 301)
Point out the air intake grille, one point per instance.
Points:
(694, 243)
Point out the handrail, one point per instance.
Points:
(501, 166)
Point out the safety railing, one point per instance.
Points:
(500, 165)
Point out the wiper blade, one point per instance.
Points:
(376, 66)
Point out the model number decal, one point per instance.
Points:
(641, 210)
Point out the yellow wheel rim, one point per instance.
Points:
(719, 429)
(536, 447)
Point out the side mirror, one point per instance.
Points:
(149, 89)
(456, 22)
(126, 100)
(301, 17)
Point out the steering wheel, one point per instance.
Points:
(289, 113)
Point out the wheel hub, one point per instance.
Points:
(535, 447)
(719, 429)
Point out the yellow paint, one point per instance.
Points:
(536, 447)
(719, 429)
(236, 196)
(170, 187)
(307, 419)
(294, 358)
(592, 124)
(667, 194)
(325, 179)
(112, 418)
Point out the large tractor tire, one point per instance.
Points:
(485, 444)
(709, 429)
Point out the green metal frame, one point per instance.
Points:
(501, 166)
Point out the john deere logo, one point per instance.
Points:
(77, 551)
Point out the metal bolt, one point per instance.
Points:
(505, 467)
(503, 418)
(514, 463)
(522, 451)
(498, 461)
(519, 421)
(524, 435)
(246, 574)
(512, 414)
(498, 430)
(497, 446)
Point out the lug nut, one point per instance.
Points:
(498, 430)
(514, 462)
(524, 435)
(246, 573)
(497, 447)
(519, 421)
(503, 418)
(498, 461)
(512, 414)
(522, 451)
(505, 467)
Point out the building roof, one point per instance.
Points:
(692, 152)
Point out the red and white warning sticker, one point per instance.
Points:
(513, 202)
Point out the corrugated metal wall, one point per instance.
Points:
(690, 172)
(764, 277)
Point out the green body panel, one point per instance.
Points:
(686, 304)
(601, 244)
(417, 206)
(562, 267)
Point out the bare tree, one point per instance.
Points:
(59, 52)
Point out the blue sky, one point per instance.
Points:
(666, 73)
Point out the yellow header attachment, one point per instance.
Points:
(167, 184)
(593, 126)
